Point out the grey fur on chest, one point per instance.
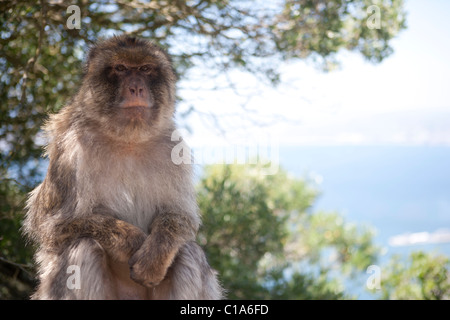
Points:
(122, 187)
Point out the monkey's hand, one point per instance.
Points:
(148, 266)
(119, 238)
(168, 232)
(124, 241)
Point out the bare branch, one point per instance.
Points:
(32, 60)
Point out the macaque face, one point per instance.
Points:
(132, 85)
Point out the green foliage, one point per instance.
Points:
(323, 28)
(11, 246)
(352, 244)
(260, 235)
(423, 276)
(16, 272)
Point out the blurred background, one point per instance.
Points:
(320, 129)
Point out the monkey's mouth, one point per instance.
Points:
(132, 113)
(129, 106)
(136, 103)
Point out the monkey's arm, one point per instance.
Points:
(51, 223)
(168, 232)
(119, 238)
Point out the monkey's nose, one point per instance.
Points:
(136, 91)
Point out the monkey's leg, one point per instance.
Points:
(189, 277)
(81, 271)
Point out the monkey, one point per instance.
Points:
(113, 203)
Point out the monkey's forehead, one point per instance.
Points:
(124, 49)
(136, 56)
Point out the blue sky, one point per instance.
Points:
(405, 100)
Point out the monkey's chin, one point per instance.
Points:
(135, 113)
(132, 119)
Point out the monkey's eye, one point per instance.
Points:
(146, 68)
(120, 68)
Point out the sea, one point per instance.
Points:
(403, 192)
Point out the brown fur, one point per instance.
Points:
(113, 203)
